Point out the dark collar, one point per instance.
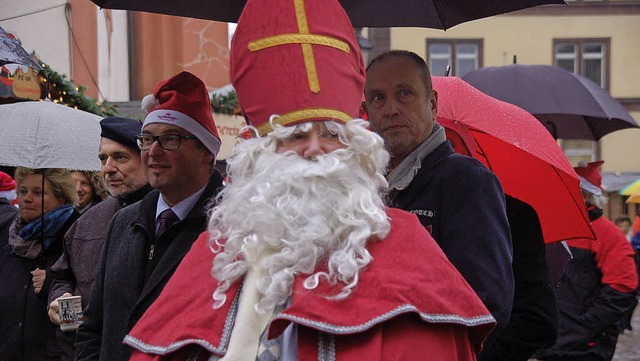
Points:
(135, 196)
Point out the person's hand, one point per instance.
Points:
(54, 309)
(38, 279)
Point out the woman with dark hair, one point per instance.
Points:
(46, 199)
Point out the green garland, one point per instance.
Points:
(62, 89)
(226, 104)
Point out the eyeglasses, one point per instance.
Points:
(166, 141)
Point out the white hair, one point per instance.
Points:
(284, 214)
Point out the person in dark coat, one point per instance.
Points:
(147, 240)
(35, 243)
(124, 176)
(457, 199)
(534, 317)
(598, 286)
(7, 211)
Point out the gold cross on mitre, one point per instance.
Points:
(306, 40)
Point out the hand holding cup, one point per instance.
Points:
(54, 309)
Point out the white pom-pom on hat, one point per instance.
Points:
(149, 103)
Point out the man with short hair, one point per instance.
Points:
(147, 241)
(123, 174)
(456, 198)
(308, 263)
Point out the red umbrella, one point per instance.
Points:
(521, 152)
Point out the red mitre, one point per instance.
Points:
(297, 59)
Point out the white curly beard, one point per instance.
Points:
(285, 214)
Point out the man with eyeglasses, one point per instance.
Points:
(147, 241)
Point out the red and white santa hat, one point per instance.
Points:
(7, 187)
(183, 101)
(298, 59)
(590, 176)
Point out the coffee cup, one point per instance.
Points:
(70, 310)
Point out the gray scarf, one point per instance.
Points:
(403, 174)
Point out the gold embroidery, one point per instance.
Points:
(306, 40)
(299, 116)
(285, 39)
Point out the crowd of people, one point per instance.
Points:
(334, 237)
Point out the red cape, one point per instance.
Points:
(409, 274)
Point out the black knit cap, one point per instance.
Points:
(121, 130)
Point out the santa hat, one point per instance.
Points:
(298, 60)
(7, 187)
(183, 101)
(590, 177)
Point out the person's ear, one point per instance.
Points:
(433, 103)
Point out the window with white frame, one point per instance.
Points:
(462, 55)
(578, 150)
(587, 57)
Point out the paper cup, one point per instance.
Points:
(70, 312)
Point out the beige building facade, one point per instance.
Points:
(599, 39)
(120, 56)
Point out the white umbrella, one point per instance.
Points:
(42, 134)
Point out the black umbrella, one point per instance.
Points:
(437, 14)
(11, 52)
(569, 105)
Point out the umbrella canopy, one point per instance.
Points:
(47, 135)
(635, 197)
(11, 52)
(569, 105)
(630, 188)
(519, 150)
(437, 14)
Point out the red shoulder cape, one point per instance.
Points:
(409, 274)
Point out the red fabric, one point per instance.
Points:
(408, 269)
(188, 95)
(520, 151)
(275, 79)
(591, 172)
(613, 254)
(636, 225)
(6, 182)
(402, 338)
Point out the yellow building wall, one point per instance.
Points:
(531, 39)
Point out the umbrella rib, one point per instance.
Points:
(555, 170)
(586, 219)
(444, 26)
(479, 148)
(35, 143)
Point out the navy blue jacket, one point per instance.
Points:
(461, 203)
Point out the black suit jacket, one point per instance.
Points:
(122, 290)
